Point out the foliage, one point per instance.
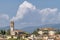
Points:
(8, 32)
(26, 32)
(12, 39)
(58, 31)
(3, 32)
(35, 33)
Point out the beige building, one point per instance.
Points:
(13, 31)
(12, 28)
(47, 33)
(44, 33)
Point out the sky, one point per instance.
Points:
(29, 12)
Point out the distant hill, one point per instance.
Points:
(4, 28)
(32, 28)
(52, 25)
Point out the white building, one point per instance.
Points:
(46, 33)
(13, 31)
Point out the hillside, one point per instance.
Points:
(32, 28)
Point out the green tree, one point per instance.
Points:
(12, 39)
(58, 31)
(35, 33)
(8, 32)
(3, 32)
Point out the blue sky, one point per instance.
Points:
(29, 12)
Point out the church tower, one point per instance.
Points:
(12, 28)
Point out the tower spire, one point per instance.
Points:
(12, 27)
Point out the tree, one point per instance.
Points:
(3, 32)
(8, 32)
(12, 39)
(35, 33)
(58, 31)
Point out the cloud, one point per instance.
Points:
(48, 11)
(49, 15)
(4, 16)
(41, 16)
(23, 8)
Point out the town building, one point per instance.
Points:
(48, 34)
(43, 33)
(14, 32)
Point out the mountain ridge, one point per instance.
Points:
(32, 28)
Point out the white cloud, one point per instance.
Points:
(48, 10)
(4, 16)
(47, 15)
(4, 20)
(22, 10)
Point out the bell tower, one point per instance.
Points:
(12, 27)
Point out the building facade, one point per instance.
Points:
(12, 28)
(13, 31)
